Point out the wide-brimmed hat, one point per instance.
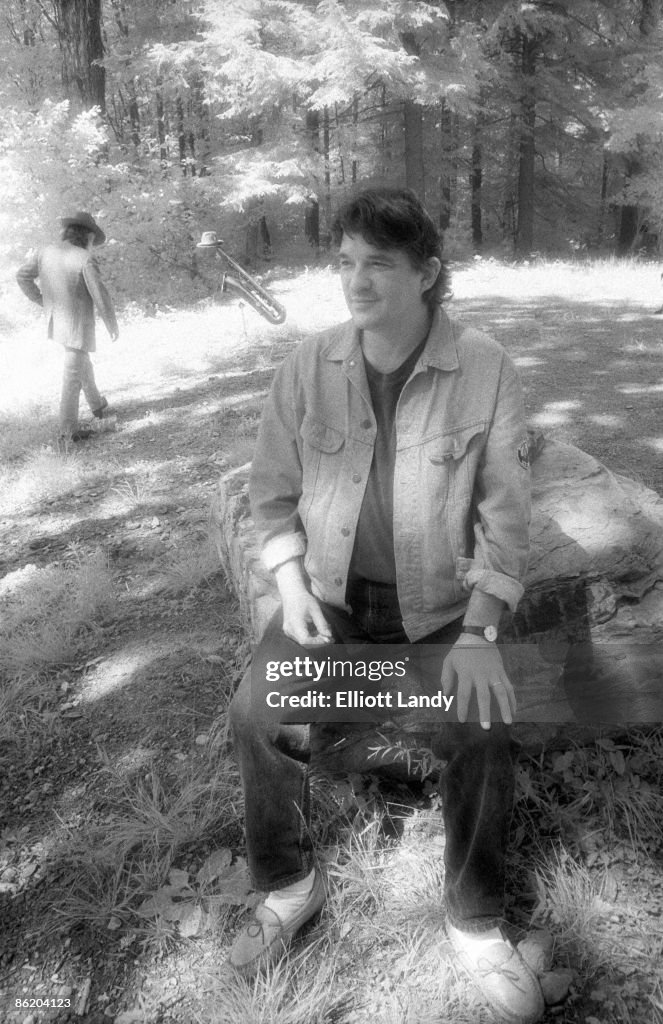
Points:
(86, 221)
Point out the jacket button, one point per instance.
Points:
(356, 478)
(365, 424)
(338, 581)
(345, 531)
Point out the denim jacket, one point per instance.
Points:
(461, 480)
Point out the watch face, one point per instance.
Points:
(490, 633)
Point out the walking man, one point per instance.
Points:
(390, 493)
(69, 289)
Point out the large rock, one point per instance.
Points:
(588, 630)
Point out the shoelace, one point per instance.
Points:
(511, 975)
(255, 929)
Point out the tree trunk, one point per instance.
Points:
(476, 183)
(134, 115)
(312, 211)
(82, 49)
(186, 141)
(628, 228)
(161, 124)
(630, 215)
(355, 120)
(385, 137)
(312, 223)
(526, 149)
(258, 239)
(328, 199)
(600, 232)
(449, 166)
(413, 115)
(413, 121)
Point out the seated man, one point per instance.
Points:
(390, 492)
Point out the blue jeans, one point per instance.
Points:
(476, 784)
(78, 374)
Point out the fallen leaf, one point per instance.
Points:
(562, 762)
(216, 864)
(536, 950)
(189, 920)
(609, 886)
(178, 878)
(555, 985)
(235, 884)
(161, 903)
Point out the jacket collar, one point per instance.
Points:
(440, 350)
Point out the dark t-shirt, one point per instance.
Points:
(373, 553)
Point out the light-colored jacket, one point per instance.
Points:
(461, 480)
(70, 286)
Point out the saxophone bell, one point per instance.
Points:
(258, 297)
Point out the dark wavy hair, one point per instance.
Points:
(394, 218)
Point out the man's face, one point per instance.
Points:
(381, 286)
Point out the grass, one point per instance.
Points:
(587, 822)
(627, 282)
(43, 474)
(191, 565)
(153, 823)
(45, 614)
(298, 990)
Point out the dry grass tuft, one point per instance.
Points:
(190, 565)
(45, 613)
(44, 609)
(43, 474)
(34, 428)
(572, 896)
(302, 988)
(153, 821)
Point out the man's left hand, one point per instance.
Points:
(475, 666)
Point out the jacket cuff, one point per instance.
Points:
(281, 549)
(489, 581)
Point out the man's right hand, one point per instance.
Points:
(303, 620)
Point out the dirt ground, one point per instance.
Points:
(593, 376)
(152, 678)
(148, 685)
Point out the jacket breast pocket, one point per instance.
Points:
(451, 460)
(322, 456)
(320, 436)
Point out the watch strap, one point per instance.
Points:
(488, 633)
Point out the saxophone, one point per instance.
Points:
(241, 282)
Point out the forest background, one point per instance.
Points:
(525, 127)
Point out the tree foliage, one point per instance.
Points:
(523, 125)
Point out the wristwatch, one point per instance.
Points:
(487, 632)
